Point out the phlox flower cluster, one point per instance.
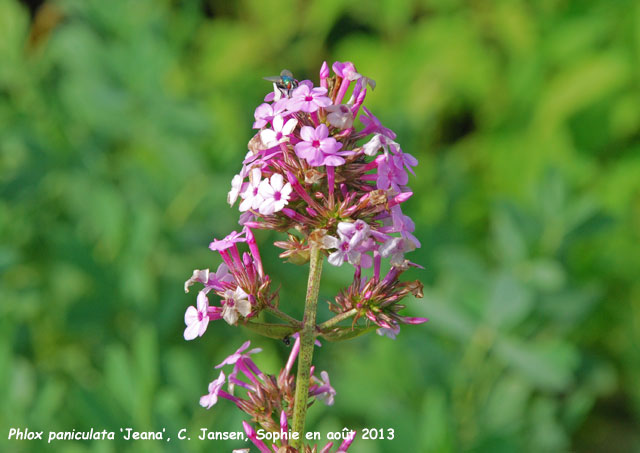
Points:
(310, 168)
(322, 168)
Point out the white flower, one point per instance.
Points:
(215, 386)
(339, 116)
(251, 198)
(236, 302)
(236, 187)
(346, 249)
(197, 320)
(379, 141)
(275, 194)
(396, 248)
(279, 133)
(201, 276)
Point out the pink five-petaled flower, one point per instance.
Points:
(275, 194)
(318, 148)
(233, 358)
(324, 392)
(280, 132)
(346, 249)
(373, 124)
(404, 225)
(308, 99)
(209, 279)
(407, 160)
(197, 320)
(224, 244)
(215, 386)
(346, 70)
(235, 302)
(266, 112)
(251, 197)
(391, 173)
(358, 230)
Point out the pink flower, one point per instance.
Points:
(251, 197)
(318, 148)
(346, 249)
(324, 392)
(358, 230)
(266, 112)
(373, 124)
(275, 194)
(344, 446)
(239, 354)
(391, 173)
(280, 132)
(324, 74)
(306, 99)
(346, 70)
(253, 437)
(215, 386)
(228, 242)
(404, 225)
(197, 320)
(208, 279)
(407, 159)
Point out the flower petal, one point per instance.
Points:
(191, 315)
(289, 126)
(308, 133)
(191, 331)
(203, 302)
(276, 181)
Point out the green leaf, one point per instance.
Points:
(277, 331)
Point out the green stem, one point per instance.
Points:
(285, 317)
(336, 319)
(307, 340)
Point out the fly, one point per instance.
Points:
(284, 82)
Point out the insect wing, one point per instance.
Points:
(274, 79)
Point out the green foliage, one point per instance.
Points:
(122, 123)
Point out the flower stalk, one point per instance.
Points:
(336, 319)
(307, 340)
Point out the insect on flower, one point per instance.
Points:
(284, 82)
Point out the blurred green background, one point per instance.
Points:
(122, 123)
